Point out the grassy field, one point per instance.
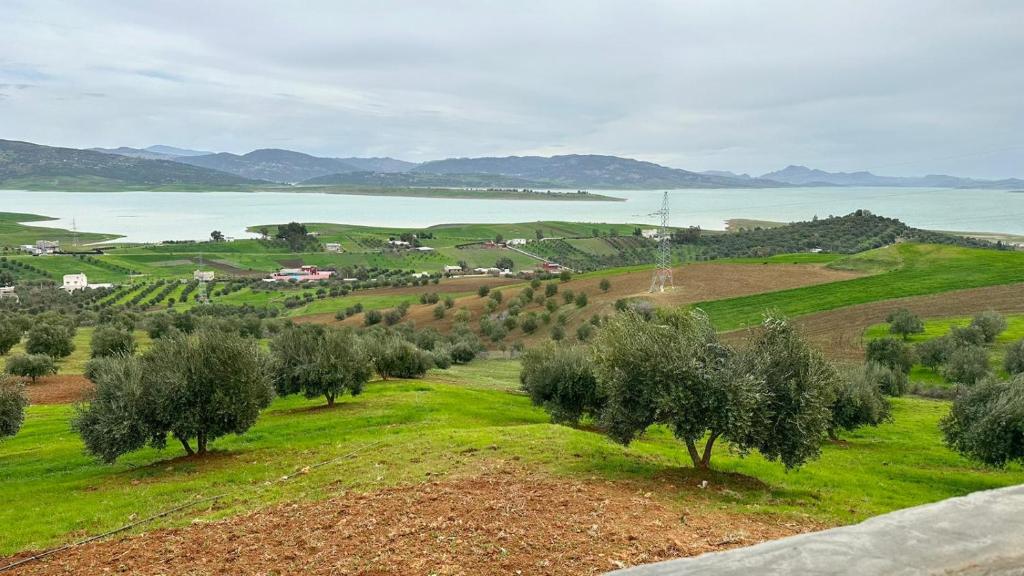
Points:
(899, 270)
(449, 423)
(13, 231)
(75, 363)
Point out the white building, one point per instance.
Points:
(452, 269)
(399, 243)
(332, 247)
(424, 249)
(8, 292)
(74, 282)
(203, 275)
(421, 275)
(651, 233)
(516, 242)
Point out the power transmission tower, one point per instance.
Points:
(663, 261)
(74, 232)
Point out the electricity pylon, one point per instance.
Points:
(662, 277)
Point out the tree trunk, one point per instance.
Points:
(705, 460)
(694, 455)
(330, 399)
(184, 444)
(201, 443)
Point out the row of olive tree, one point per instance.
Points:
(776, 395)
(12, 406)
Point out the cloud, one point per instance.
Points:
(910, 86)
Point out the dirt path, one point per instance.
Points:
(504, 522)
(839, 332)
(60, 389)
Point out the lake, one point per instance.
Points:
(155, 216)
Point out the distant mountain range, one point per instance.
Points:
(26, 165)
(33, 166)
(804, 176)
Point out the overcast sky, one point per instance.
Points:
(896, 87)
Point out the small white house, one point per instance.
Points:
(452, 269)
(421, 275)
(424, 249)
(74, 282)
(399, 243)
(332, 247)
(8, 292)
(203, 275)
(516, 242)
(651, 233)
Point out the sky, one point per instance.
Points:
(897, 87)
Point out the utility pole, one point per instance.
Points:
(662, 277)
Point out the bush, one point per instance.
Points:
(463, 352)
(201, 386)
(439, 311)
(584, 332)
(1013, 363)
(605, 285)
(529, 324)
(564, 276)
(372, 317)
(986, 422)
(859, 401)
(111, 341)
(903, 323)
(966, 336)
(449, 302)
(51, 339)
(967, 365)
(557, 332)
(550, 289)
(991, 324)
(891, 353)
(890, 382)
(568, 296)
(483, 291)
(12, 407)
(561, 380)
(935, 352)
(581, 300)
(319, 362)
(31, 366)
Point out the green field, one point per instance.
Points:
(13, 232)
(900, 270)
(449, 423)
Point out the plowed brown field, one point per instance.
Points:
(60, 389)
(503, 522)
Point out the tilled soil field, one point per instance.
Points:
(839, 332)
(503, 522)
(59, 389)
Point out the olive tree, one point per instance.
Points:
(903, 323)
(12, 407)
(50, 338)
(561, 379)
(891, 353)
(32, 366)
(319, 362)
(859, 400)
(991, 324)
(967, 365)
(1013, 363)
(109, 340)
(672, 371)
(986, 422)
(10, 334)
(190, 387)
(391, 355)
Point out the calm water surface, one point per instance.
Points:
(154, 216)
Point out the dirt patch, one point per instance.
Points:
(59, 389)
(839, 332)
(503, 522)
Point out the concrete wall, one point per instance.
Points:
(979, 534)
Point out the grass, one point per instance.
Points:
(13, 231)
(901, 270)
(76, 361)
(453, 422)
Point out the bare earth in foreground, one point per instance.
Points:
(59, 389)
(503, 522)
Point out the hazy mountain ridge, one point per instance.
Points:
(804, 176)
(33, 165)
(424, 179)
(589, 171)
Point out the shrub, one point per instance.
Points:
(1013, 363)
(891, 353)
(557, 332)
(890, 382)
(111, 341)
(564, 276)
(529, 323)
(605, 285)
(201, 386)
(986, 422)
(568, 296)
(859, 401)
(372, 317)
(935, 352)
(51, 339)
(903, 323)
(463, 351)
(966, 336)
(31, 366)
(497, 296)
(967, 365)
(439, 310)
(991, 324)
(12, 407)
(581, 300)
(449, 302)
(463, 316)
(561, 380)
(483, 291)
(550, 289)
(584, 331)
(319, 362)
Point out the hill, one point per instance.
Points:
(32, 166)
(157, 152)
(384, 164)
(405, 179)
(804, 176)
(589, 171)
(272, 164)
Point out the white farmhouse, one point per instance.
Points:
(516, 242)
(452, 269)
(74, 282)
(332, 247)
(203, 275)
(651, 233)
